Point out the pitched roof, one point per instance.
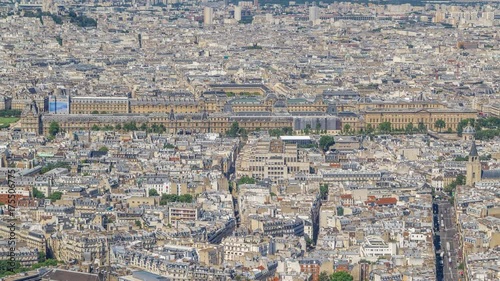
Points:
(387, 201)
(473, 149)
(66, 275)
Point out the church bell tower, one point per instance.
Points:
(473, 166)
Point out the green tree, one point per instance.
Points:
(104, 149)
(118, 127)
(83, 21)
(340, 211)
(341, 276)
(461, 158)
(138, 223)
(309, 242)
(10, 113)
(307, 130)
(55, 196)
(167, 198)
(42, 256)
(131, 126)
(325, 142)
(95, 128)
(323, 276)
(385, 127)
(38, 194)
(409, 128)
(323, 190)
(421, 127)
(369, 129)
(186, 198)
(54, 128)
(144, 127)
(168, 146)
(153, 192)
(460, 179)
(461, 266)
(318, 126)
(162, 129)
(347, 128)
(234, 130)
(243, 132)
(108, 128)
(245, 180)
(95, 112)
(287, 130)
(487, 134)
(440, 124)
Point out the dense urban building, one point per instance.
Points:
(209, 140)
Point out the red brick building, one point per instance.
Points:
(311, 266)
(4, 198)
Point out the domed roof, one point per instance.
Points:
(271, 96)
(469, 130)
(280, 103)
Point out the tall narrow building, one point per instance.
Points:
(208, 14)
(237, 13)
(313, 13)
(473, 167)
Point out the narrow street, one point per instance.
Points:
(448, 240)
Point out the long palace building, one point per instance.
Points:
(215, 111)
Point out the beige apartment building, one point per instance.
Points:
(368, 104)
(74, 245)
(148, 105)
(400, 118)
(89, 105)
(270, 159)
(183, 212)
(32, 239)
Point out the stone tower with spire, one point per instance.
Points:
(473, 167)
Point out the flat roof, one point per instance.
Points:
(295, 137)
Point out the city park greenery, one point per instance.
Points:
(8, 117)
(169, 198)
(245, 180)
(6, 268)
(6, 121)
(486, 128)
(10, 113)
(153, 192)
(236, 131)
(337, 276)
(53, 197)
(323, 191)
(325, 142)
